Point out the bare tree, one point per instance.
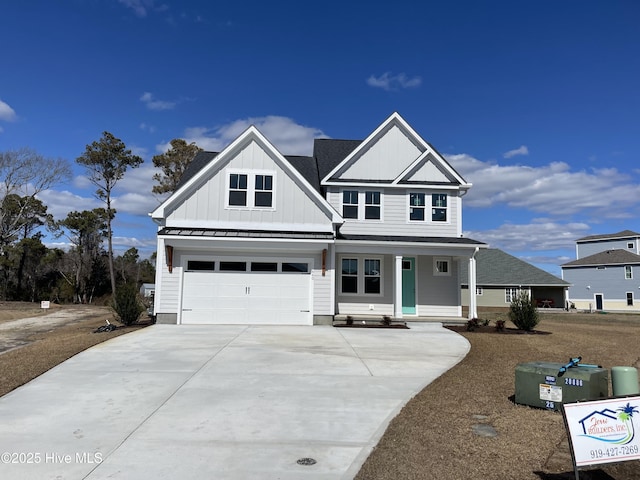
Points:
(107, 160)
(24, 173)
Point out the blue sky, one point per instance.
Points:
(536, 103)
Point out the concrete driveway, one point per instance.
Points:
(220, 402)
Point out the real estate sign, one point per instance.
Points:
(603, 431)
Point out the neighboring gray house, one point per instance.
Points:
(606, 273)
(500, 276)
(371, 227)
(147, 290)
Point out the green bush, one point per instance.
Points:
(126, 304)
(523, 312)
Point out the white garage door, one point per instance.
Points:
(219, 296)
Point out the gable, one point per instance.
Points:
(393, 154)
(203, 199)
(428, 170)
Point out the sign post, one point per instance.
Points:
(603, 431)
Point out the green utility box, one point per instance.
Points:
(538, 384)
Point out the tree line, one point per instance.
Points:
(86, 269)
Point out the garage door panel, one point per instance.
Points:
(246, 298)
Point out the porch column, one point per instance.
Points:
(397, 302)
(473, 301)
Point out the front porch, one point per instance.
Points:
(376, 320)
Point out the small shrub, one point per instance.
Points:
(349, 320)
(126, 304)
(472, 324)
(500, 325)
(523, 312)
(386, 320)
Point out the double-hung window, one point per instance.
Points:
(416, 207)
(439, 207)
(264, 191)
(250, 190)
(359, 205)
(349, 275)
(360, 275)
(441, 267)
(372, 205)
(628, 272)
(238, 190)
(350, 204)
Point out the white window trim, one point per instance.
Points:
(251, 189)
(428, 208)
(628, 268)
(436, 272)
(513, 293)
(360, 276)
(633, 299)
(479, 291)
(362, 205)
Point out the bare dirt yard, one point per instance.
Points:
(436, 435)
(33, 340)
(433, 436)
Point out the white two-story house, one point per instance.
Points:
(367, 227)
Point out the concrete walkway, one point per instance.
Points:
(220, 402)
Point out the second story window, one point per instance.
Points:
(264, 191)
(628, 273)
(350, 204)
(439, 207)
(416, 207)
(250, 190)
(238, 190)
(372, 205)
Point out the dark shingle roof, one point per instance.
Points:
(307, 167)
(608, 257)
(199, 161)
(495, 267)
(623, 234)
(329, 153)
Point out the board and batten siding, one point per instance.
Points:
(207, 203)
(395, 214)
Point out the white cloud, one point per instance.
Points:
(288, 137)
(147, 128)
(540, 235)
(60, 203)
(522, 150)
(7, 113)
(154, 104)
(142, 7)
(390, 82)
(551, 189)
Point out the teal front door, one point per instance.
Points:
(409, 286)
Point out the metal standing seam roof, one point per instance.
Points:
(410, 239)
(495, 267)
(229, 233)
(608, 257)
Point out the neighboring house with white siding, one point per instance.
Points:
(606, 272)
(500, 277)
(370, 227)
